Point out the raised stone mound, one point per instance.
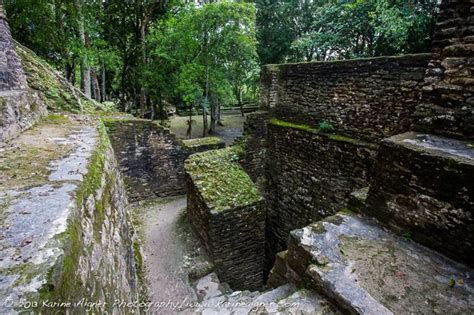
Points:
(151, 158)
(227, 212)
(366, 270)
(64, 233)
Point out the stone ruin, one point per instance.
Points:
(20, 107)
(366, 167)
(350, 192)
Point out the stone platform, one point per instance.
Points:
(422, 185)
(366, 270)
(64, 232)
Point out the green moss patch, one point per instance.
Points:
(193, 143)
(306, 128)
(220, 179)
(55, 91)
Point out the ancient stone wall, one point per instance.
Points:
(20, 108)
(423, 187)
(11, 72)
(448, 98)
(309, 175)
(227, 212)
(254, 140)
(369, 98)
(151, 158)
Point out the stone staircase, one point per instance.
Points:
(215, 297)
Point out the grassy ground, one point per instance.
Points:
(233, 126)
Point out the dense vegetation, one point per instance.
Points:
(146, 54)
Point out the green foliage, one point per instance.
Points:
(296, 30)
(207, 51)
(325, 126)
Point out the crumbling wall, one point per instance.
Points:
(151, 158)
(448, 98)
(371, 98)
(227, 212)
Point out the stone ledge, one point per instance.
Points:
(64, 231)
(367, 270)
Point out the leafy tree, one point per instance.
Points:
(210, 52)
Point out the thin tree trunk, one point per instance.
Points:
(212, 128)
(219, 120)
(204, 112)
(95, 84)
(103, 83)
(190, 122)
(85, 69)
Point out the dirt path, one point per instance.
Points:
(171, 254)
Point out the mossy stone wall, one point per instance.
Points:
(309, 175)
(228, 214)
(368, 98)
(151, 158)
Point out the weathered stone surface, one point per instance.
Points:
(285, 299)
(423, 186)
(11, 72)
(227, 212)
(65, 235)
(370, 271)
(19, 110)
(446, 108)
(371, 98)
(151, 158)
(309, 175)
(255, 135)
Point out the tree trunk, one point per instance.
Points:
(85, 69)
(239, 101)
(190, 122)
(219, 120)
(95, 85)
(143, 96)
(103, 83)
(212, 128)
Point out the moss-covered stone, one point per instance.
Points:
(208, 141)
(221, 180)
(56, 92)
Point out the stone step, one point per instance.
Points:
(364, 269)
(217, 298)
(422, 185)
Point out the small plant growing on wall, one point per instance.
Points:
(325, 126)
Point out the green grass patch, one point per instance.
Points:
(221, 180)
